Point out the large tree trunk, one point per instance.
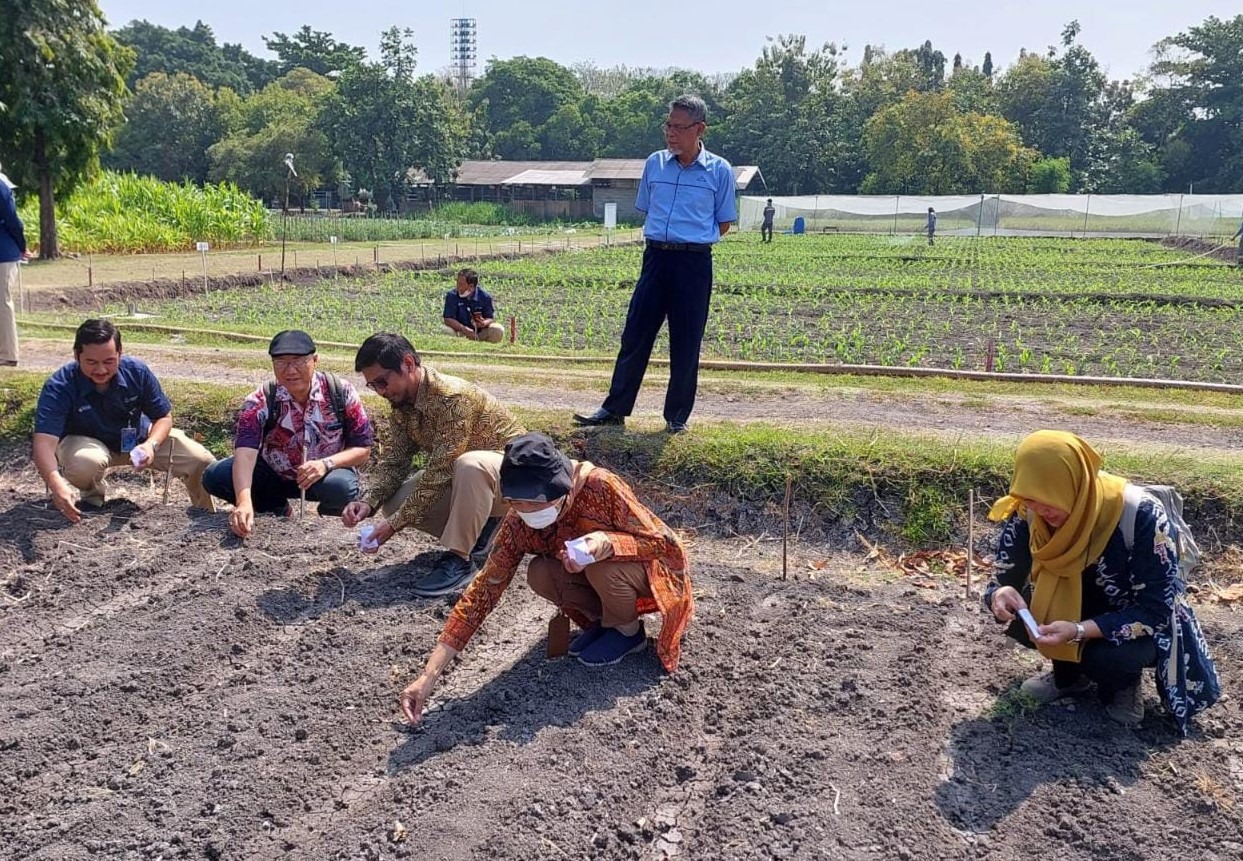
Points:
(49, 247)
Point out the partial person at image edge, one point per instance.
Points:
(104, 410)
(1105, 610)
(639, 564)
(305, 431)
(12, 252)
(687, 195)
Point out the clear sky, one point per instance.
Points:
(712, 36)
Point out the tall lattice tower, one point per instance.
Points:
(463, 50)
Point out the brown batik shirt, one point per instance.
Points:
(448, 418)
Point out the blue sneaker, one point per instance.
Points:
(585, 638)
(611, 646)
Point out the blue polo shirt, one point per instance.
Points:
(686, 204)
(69, 405)
(460, 307)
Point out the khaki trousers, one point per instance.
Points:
(606, 591)
(8, 320)
(84, 461)
(494, 334)
(457, 517)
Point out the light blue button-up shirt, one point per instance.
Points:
(686, 204)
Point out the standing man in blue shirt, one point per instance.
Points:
(105, 410)
(688, 196)
(12, 252)
(469, 312)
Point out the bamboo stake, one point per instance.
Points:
(785, 529)
(168, 473)
(970, 536)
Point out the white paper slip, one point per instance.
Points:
(365, 541)
(576, 549)
(1033, 630)
(137, 456)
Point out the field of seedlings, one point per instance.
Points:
(1124, 308)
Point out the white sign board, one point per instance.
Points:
(201, 247)
(332, 239)
(610, 216)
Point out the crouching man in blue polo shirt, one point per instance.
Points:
(688, 195)
(104, 410)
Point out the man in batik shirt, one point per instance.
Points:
(462, 430)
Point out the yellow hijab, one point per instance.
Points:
(1059, 469)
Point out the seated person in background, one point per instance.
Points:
(1105, 610)
(305, 431)
(103, 410)
(639, 565)
(456, 496)
(469, 312)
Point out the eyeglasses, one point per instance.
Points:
(380, 383)
(294, 362)
(676, 127)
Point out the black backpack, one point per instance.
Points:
(336, 395)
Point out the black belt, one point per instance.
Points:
(680, 246)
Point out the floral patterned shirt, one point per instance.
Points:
(603, 503)
(448, 418)
(323, 432)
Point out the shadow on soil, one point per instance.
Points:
(532, 695)
(373, 588)
(995, 764)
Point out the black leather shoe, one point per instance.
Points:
(677, 427)
(483, 546)
(599, 417)
(452, 574)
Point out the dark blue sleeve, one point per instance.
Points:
(1013, 563)
(55, 405)
(9, 219)
(450, 306)
(1153, 571)
(155, 404)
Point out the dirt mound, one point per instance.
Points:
(1227, 253)
(168, 692)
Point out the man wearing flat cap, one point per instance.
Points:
(305, 431)
(600, 556)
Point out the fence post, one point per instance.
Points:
(1087, 207)
(897, 199)
(513, 329)
(1178, 223)
(979, 222)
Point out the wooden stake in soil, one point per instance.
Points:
(970, 536)
(168, 473)
(785, 529)
(302, 503)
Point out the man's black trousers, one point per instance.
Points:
(676, 285)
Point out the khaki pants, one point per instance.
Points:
(85, 460)
(457, 517)
(606, 591)
(494, 334)
(8, 321)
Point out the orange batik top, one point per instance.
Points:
(599, 501)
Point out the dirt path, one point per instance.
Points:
(723, 398)
(169, 693)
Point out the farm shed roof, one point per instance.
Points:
(497, 172)
(548, 177)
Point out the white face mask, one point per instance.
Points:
(541, 519)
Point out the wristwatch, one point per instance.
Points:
(329, 466)
(1080, 633)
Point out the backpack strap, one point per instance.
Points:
(336, 396)
(1132, 495)
(269, 399)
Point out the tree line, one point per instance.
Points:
(175, 104)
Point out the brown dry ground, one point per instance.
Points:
(168, 692)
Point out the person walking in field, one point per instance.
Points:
(931, 225)
(633, 564)
(766, 229)
(687, 194)
(455, 496)
(469, 312)
(12, 252)
(1094, 560)
(104, 410)
(304, 432)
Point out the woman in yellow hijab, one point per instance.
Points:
(1101, 610)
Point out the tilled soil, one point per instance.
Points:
(169, 692)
